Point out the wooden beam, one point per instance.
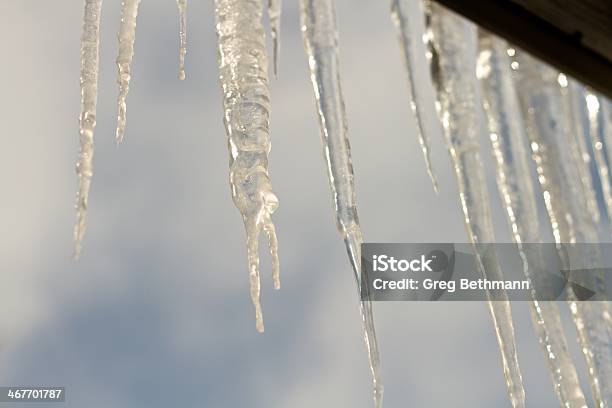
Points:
(588, 20)
(573, 35)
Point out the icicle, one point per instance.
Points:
(318, 20)
(597, 133)
(454, 40)
(510, 150)
(243, 73)
(90, 43)
(606, 112)
(409, 20)
(541, 102)
(127, 35)
(274, 15)
(575, 108)
(182, 6)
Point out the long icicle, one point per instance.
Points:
(90, 50)
(541, 102)
(454, 40)
(126, 36)
(606, 111)
(320, 32)
(182, 7)
(511, 152)
(575, 106)
(597, 133)
(274, 15)
(408, 17)
(243, 74)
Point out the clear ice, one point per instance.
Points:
(127, 36)
(598, 135)
(542, 105)
(274, 15)
(575, 108)
(320, 32)
(606, 112)
(454, 74)
(182, 6)
(408, 17)
(511, 153)
(90, 50)
(243, 74)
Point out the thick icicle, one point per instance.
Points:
(606, 111)
(243, 73)
(575, 106)
(542, 105)
(274, 15)
(90, 44)
(319, 29)
(127, 35)
(454, 41)
(597, 132)
(182, 6)
(510, 150)
(408, 17)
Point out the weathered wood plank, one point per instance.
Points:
(591, 20)
(577, 40)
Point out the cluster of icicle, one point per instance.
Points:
(90, 50)
(535, 116)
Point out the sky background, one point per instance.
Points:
(157, 311)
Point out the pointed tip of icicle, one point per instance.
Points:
(275, 62)
(252, 236)
(78, 233)
(259, 327)
(254, 281)
(119, 133)
(181, 75)
(275, 51)
(378, 396)
(430, 170)
(275, 265)
(76, 255)
(78, 247)
(259, 323)
(434, 183)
